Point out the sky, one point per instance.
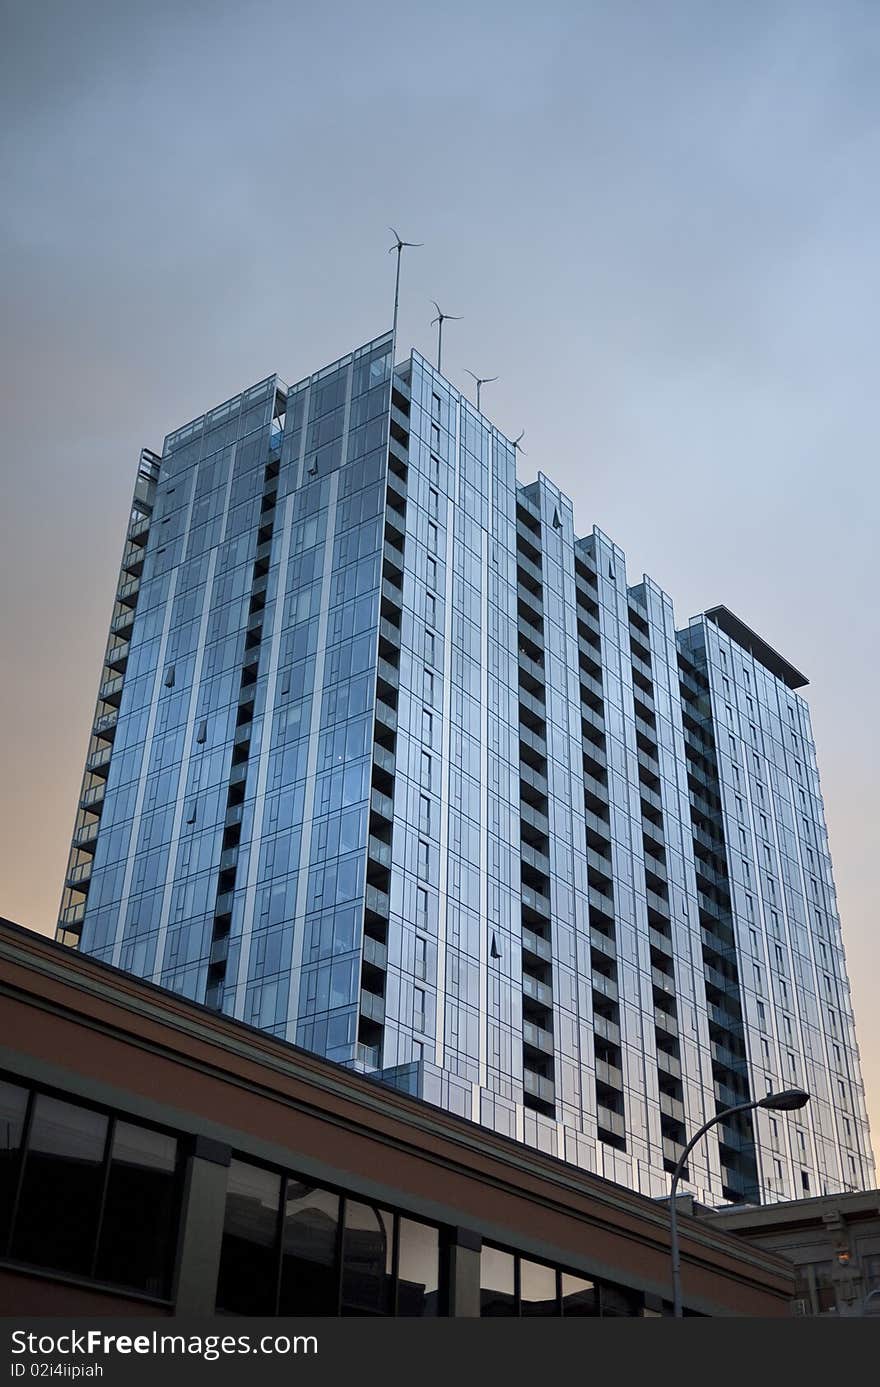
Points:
(658, 220)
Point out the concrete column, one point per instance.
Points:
(464, 1274)
(201, 1228)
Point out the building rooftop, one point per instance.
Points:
(732, 626)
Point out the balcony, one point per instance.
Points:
(670, 1064)
(538, 1038)
(78, 877)
(73, 915)
(610, 1121)
(127, 592)
(539, 1087)
(606, 986)
(383, 805)
(375, 953)
(386, 716)
(537, 991)
(139, 529)
(122, 623)
(117, 656)
(86, 836)
(536, 946)
(535, 819)
(384, 759)
(659, 941)
(93, 798)
(98, 762)
(105, 726)
(387, 673)
(534, 858)
(111, 690)
(604, 943)
(672, 1107)
(377, 902)
(379, 852)
(608, 1030)
(535, 900)
(665, 981)
(390, 633)
(223, 904)
(609, 1075)
(372, 1007)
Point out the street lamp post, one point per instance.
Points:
(785, 1101)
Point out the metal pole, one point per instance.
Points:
(674, 1251)
(439, 342)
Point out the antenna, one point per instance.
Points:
(440, 320)
(398, 246)
(481, 380)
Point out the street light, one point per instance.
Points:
(786, 1101)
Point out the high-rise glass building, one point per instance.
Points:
(390, 761)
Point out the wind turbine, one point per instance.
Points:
(515, 444)
(398, 246)
(440, 320)
(481, 380)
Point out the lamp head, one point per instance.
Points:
(786, 1101)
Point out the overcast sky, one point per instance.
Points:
(659, 220)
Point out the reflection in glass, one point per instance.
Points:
(13, 1105)
(418, 1269)
(537, 1289)
(248, 1262)
(497, 1284)
(578, 1296)
(138, 1230)
(57, 1222)
(309, 1267)
(367, 1252)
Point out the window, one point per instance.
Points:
(294, 1248)
(421, 908)
(140, 1210)
(427, 686)
(13, 1106)
(435, 407)
(61, 1189)
(433, 502)
(248, 1263)
(512, 1285)
(423, 859)
(424, 814)
(435, 439)
(426, 769)
(420, 957)
(429, 647)
(430, 609)
(419, 1005)
(98, 1196)
(427, 726)
(431, 573)
(432, 537)
(308, 1252)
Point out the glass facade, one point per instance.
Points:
(392, 763)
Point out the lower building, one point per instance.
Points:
(159, 1158)
(834, 1243)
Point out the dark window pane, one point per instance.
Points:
(57, 1221)
(13, 1102)
(578, 1296)
(537, 1289)
(617, 1301)
(367, 1250)
(418, 1269)
(139, 1228)
(497, 1289)
(249, 1258)
(309, 1268)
